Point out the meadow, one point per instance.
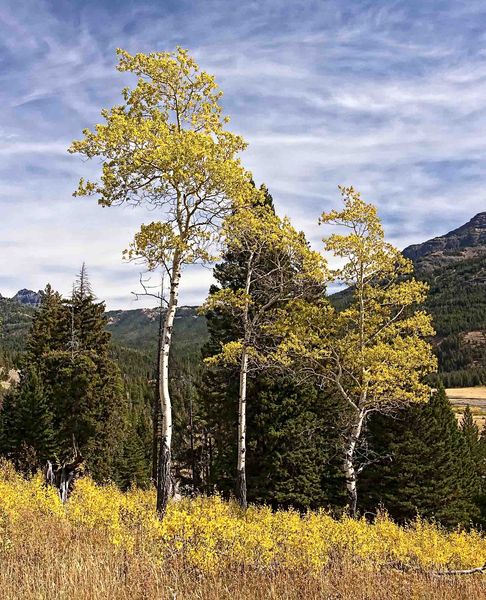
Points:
(108, 544)
(474, 397)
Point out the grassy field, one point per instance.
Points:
(474, 397)
(71, 565)
(104, 544)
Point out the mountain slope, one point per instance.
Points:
(138, 328)
(135, 329)
(465, 242)
(454, 265)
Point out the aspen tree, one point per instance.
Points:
(278, 267)
(167, 147)
(373, 352)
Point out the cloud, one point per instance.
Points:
(386, 96)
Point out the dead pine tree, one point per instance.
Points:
(63, 475)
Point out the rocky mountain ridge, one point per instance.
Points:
(466, 242)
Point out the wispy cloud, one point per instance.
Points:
(387, 96)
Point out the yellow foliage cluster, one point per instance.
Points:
(210, 533)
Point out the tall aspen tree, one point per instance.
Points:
(167, 147)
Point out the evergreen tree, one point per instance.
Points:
(470, 431)
(49, 326)
(87, 323)
(482, 474)
(423, 465)
(27, 430)
(294, 454)
(472, 438)
(133, 467)
(68, 348)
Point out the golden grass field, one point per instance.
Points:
(466, 394)
(475, 397)
(105, 544)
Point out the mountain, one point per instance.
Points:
(15, 320)
(28, 297)
(464, 243)
(454, 265)
(137, 328)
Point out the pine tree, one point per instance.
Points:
(293, 446)
(69, 347)
(133, 466)
(481, 457)
(88, 322)
(423, 465)
(28, 434)
(472, 439)
(49, 326)
(470, 431)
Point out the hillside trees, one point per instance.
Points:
(428, 470)
(277, 266)
(167, 147)
(372, 353)
(27, 434)
(476, 447)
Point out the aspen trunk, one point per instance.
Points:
(157, 422)
(241, 460)
(349, 463)
(164, 451)
(241, 464)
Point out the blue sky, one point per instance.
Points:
(387, 96)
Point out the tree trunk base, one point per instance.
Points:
(241, 488)
(163, 479)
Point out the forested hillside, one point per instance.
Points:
(133, 347)
(454, 265)
(204, 398)
(138, 328)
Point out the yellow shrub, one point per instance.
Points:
(210, 533)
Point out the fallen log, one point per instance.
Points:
(438, 572)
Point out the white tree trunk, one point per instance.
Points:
(349, 466)
(156, 414)
(241, 461)
(164, 458)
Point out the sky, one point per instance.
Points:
(387, 96)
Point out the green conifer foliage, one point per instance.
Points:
(27, 424)
(476, 445)
(291, 443)
(69, 373)
(423, 466)
(133, 467)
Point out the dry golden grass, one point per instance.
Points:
(106, 545)
(470, 393)
(69, 563)
(475, 397)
